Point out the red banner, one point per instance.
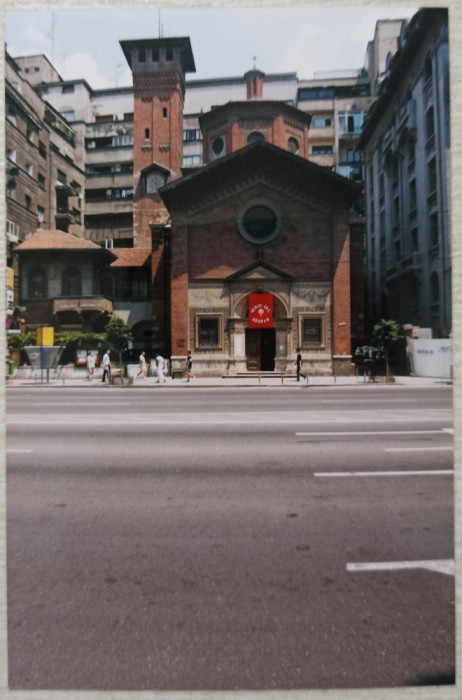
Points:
(260, 310)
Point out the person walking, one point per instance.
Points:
(90, 365)
(106, 365)
(189, 367)
(160, 364)
(143, 366)
(298, 362)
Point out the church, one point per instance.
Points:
(254, 253)
(241, 260)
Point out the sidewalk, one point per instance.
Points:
(78, 378)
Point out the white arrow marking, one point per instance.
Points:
(441, 566)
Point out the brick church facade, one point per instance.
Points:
(258, 222)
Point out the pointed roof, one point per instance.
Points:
(263, 267)
(56, 240)
(269, 164)
(130, 257)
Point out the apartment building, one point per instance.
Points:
(406, 145)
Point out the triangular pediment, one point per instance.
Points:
(260, 270)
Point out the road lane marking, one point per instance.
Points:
(429, 472)
(377, 432)
(13, 450)
(448, 430)
(416, 449)
(442, 566)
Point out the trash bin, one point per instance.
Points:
(10, 367)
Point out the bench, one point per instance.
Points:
(117, 377)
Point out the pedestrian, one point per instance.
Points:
(90, 365)
(160, 364)
(189, 366)
(298, 362)
(143, 366)
(106, 365)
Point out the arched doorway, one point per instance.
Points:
(263, 347)
(260, 349)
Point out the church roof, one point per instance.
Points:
(270, 164)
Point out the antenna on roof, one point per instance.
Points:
(52, 38)
(160, 27)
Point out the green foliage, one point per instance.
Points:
(116, 336)
(77, 339)
(385, 334)
(20, 340)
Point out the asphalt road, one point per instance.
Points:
(223, 539)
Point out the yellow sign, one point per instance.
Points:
(45, 336)
(10, 277)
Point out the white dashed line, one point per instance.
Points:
(429, 472)
(441, 566)
(416, 449)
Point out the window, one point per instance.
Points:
(321, 150)
(353, 156)
(412, 195)
(315, 94)
(142, 55)
(293, 145)
(146, 134)
(434, 288)
(208, 332)
(122, 140)
(191, 160)
(259, 223)
(155, 55)
(431, 174)
(169, 54)
(68, 88)
(191, 135)
(40, 214)
(29, 169)
(350, 122)
(255, 136)
(38, 285)
(12, 155)
(319, 122)
(42, 150)
(10, 229)
(11, 116)
(69, 116)
(164, 113)
(430, 123)
(434, 232)
(311, 331)
(218, 145)
(71, 285)
(154, 180)
(28, 202)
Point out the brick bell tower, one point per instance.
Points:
(158, 67)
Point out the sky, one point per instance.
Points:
(85, 43)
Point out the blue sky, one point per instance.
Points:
(306, 39)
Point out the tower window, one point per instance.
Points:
(146, 133)
(164, 113)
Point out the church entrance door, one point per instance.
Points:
(260, 349)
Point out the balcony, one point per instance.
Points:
(64, 214)
(95, 304)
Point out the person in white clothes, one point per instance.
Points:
(90, 365)
(160, 364)
(143, 366)
(106, 365)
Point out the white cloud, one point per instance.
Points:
(34, 38)
(83, 65)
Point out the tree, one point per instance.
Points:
(385, 335)
(116, 335)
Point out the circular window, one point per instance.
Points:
(218, 146)
(255, 136)
(293, 145)
(259, 223)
